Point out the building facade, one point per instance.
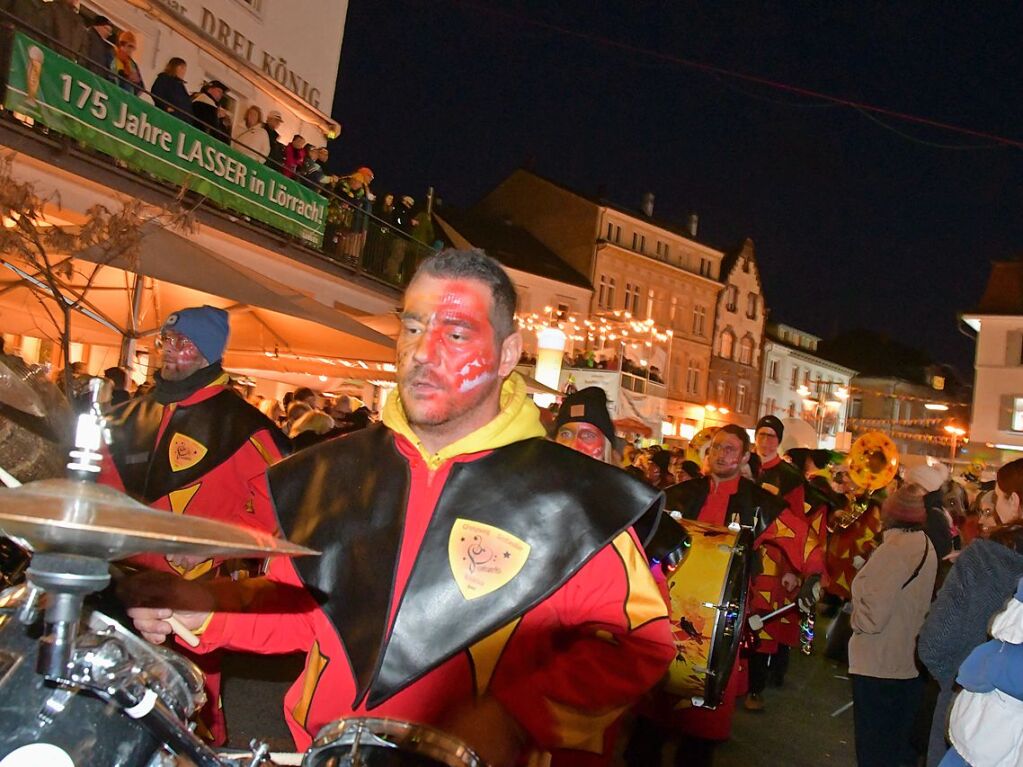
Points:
(798, 383)
(997, 322)
(735, 365)
(642, 269)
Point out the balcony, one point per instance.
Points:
(67, 115)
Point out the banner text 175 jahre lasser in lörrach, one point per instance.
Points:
(74, 101)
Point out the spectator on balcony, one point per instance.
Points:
(99, 51)
(66, 31)
(126, 71)
(169, 91)
(275, 159)
(209, 115)
(252, 141)
(294, 155)
(312, 171)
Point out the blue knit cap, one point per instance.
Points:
(204, 326)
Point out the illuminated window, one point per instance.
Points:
(752, 300)
(746, 351)
(699, 320)
(731, 297)
(740, 402)
(727, 345)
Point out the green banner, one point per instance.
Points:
(76, 102)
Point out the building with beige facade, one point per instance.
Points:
(639, 265)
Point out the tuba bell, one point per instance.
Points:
(873, 463)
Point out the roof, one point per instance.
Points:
(635, 212)
(1004, 292)
(512, 245)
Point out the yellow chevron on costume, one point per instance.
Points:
(581, 730)
(486, 652)
(191, 573)
(769, 566)
(783, 530)
(261, 449)
(316, 664)
(644, 602)
(179, 499)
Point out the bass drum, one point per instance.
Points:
(47, 724)
(707, 605)
(387, 743)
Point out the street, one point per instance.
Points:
(797, 728)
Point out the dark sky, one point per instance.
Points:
(855, 224)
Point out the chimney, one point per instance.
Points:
(647, 204)
(693, 224)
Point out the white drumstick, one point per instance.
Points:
(756, 622)
(182, 631)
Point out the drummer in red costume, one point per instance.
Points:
(474, 576)
(721, 498)
(192, 446)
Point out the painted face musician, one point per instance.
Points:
(726, 456)
(450, 361)
(181, 357)
(584, 438)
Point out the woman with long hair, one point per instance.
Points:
(170, 92)
(253, 140)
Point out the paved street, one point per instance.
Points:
(796, 730)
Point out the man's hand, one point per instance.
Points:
(489, 730)
(809, 594)
(790, 582)
(152, 597)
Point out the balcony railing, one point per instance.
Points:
(352, 236)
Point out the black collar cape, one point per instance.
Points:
(347, 498)
(754, 507)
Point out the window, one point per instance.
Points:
(610, 231)
(751, 305)
(772, 370)
(635, 240)
(740, 400)
(806, 378)
(563, 311)
(1017, 413)
(693, 377)
(662, 250)
(727, 345)
(642, 243)
(614, 233)
(721, 391)
(606, 293)
(631, 298)
(794, 384)
(770, 406)
(650, 301)
(746, 351)
(856, 407)
(731, 296)
(705, 265)
(699, 320)
(745, 268)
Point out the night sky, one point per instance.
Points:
(856, 224)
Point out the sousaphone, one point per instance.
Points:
(873, 463)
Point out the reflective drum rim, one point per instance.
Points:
(429, 741)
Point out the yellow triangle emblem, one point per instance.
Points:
(185, 452)
(179, 499)
(483, 558)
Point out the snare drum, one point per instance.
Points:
(70, 722)
(707, 602)
(387, 743)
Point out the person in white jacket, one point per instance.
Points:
(253, 140)
(890, 598)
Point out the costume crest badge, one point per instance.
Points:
(483, 558)
(185, 452)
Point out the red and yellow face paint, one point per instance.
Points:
(582, 437)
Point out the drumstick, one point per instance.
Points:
(182, 631)
(756, 622)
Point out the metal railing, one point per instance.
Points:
(354, 237)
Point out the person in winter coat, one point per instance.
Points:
(974, 590)
(123, 65)
(252, 140)
(275, 159)
(890, 597)
(294, 155)
(209, 115)
(169, 91)
(99, 52)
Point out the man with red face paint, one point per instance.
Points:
(192, 446)
(474, 576)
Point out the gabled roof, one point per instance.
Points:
(512, 245)
(1004, 292)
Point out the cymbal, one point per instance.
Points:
(70, 516)
(16, 392)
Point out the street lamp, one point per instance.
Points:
(956, 433)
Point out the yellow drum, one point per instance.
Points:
(707, 602)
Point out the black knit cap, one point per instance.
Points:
(587, 405)
(773, 423)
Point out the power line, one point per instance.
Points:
(712, 69)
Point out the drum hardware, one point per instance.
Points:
(372, 742)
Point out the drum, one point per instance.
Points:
(46, 723)
(386, 743)
(707, 605)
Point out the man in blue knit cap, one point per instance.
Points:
(193, 446)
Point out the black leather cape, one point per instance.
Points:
(221, 423)
(783, 475)
(754, 507)
(347, 498)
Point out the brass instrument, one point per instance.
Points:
(873, 463)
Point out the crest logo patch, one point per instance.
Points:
(483, 558)
(185, 452)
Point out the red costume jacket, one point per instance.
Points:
(416, 614)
